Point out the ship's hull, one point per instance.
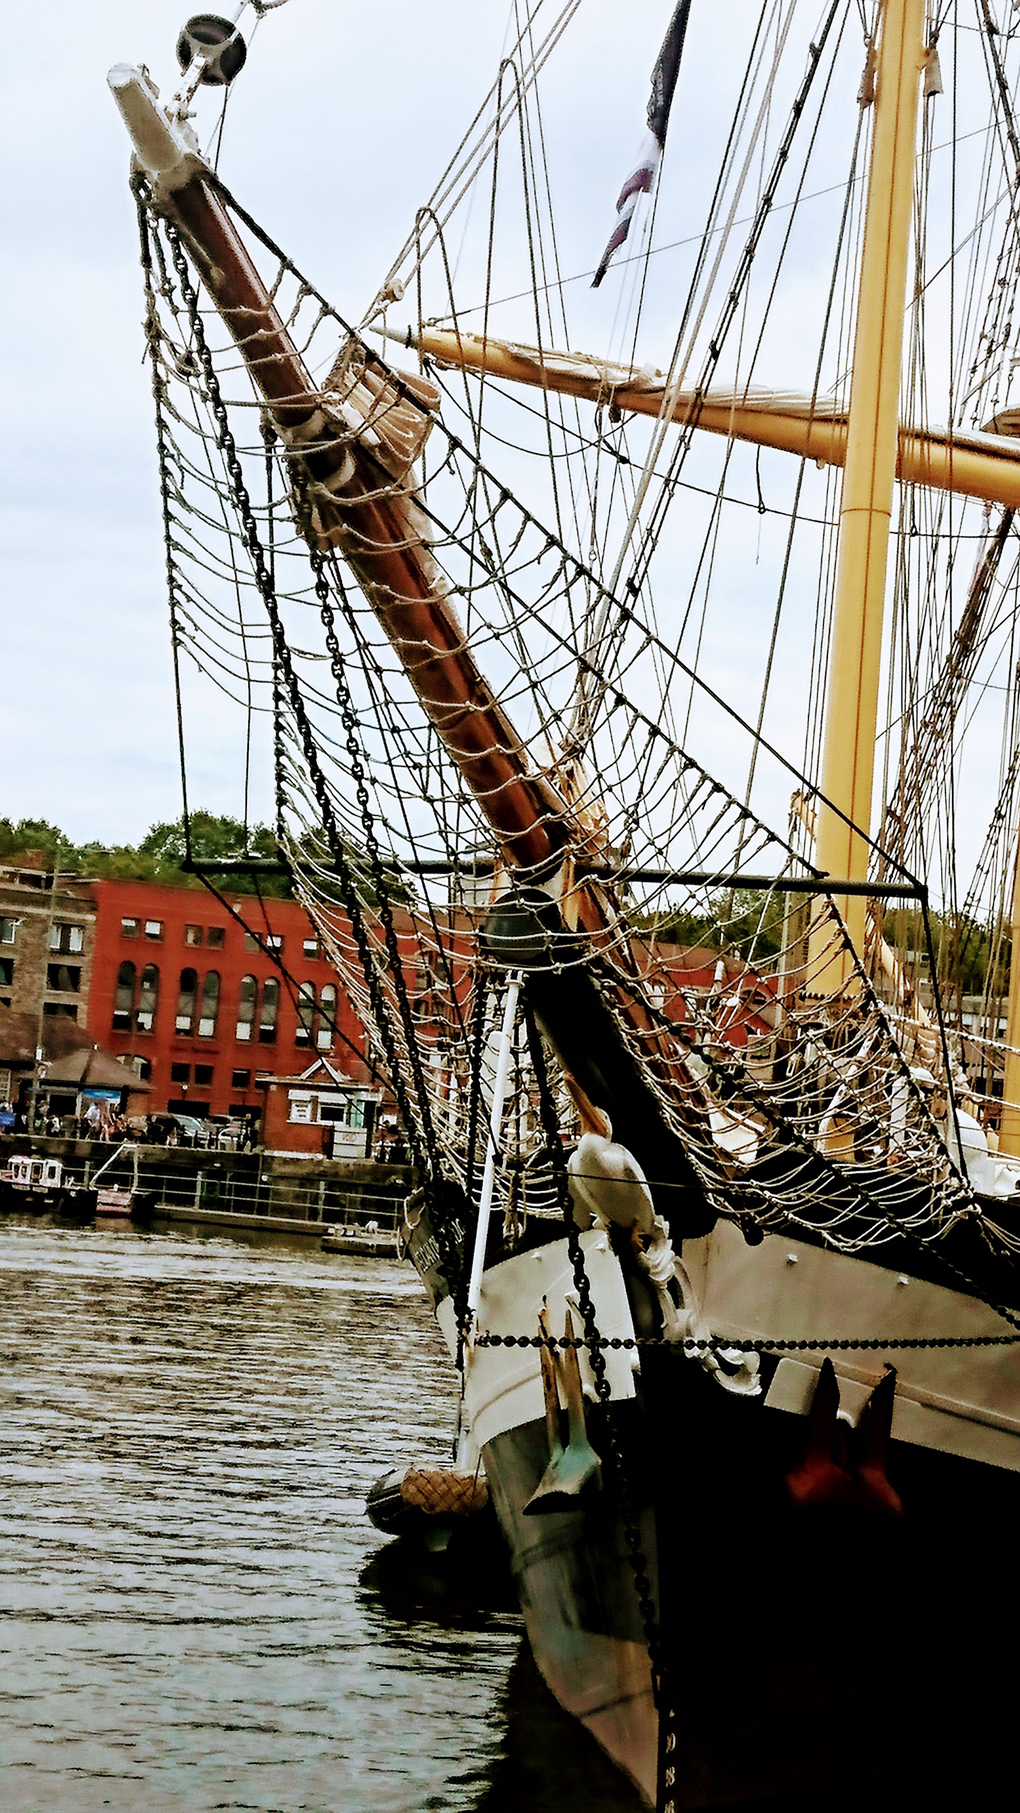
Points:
(809, 1652)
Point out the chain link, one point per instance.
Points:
(596, 1345)
(757, 1344)
(426, 1159)
(349, 719)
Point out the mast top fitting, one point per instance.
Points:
(218, 43)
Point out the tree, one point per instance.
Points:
(34, 837)
(157, 858)
(213, 835)
(744, 921)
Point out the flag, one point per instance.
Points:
(641, 178)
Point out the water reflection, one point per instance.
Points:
(190, 1428)
(200, 1616)
(452, 1591)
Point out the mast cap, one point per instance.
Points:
(218, 41)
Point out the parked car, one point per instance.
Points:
(226, 1132)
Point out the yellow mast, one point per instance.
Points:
(872, 451)
(1009, 1127)
(870, 468)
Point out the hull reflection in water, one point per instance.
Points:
(546, 1762)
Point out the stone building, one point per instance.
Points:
(47, 939)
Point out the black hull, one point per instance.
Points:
(809, 1655)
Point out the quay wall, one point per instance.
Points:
(242, 1183)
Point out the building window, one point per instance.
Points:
(8, 930)
(240, 1079)
(66, 938)
(203, 1076)
(335, 1109)
(306, 1014)
(270, 1011)
(327, 1017)
(142, 1067)
(6, 971)
(124, 999)
(154, 928)
(129, 928)
(210, 1005)
(266, 941)
(215, 937)
(310, 948)
(180, 1073)
(186, 1000)
(59, 1010)
(193, 934)
(246, 1003)
(63, 978)
(148, 998)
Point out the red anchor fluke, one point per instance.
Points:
(846, 1466)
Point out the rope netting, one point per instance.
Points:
(796, 1103)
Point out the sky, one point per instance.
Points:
(341, 109)
(335, 133)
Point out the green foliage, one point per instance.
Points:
(33, 837)
(157, 858)
(745, 921)
(163, 849)
(968, 954)
(212, 835)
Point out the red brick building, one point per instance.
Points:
(184, 996)
(181, 993)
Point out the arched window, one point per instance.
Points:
(327, 1017)
(247, 1001)
(148, 997)
(186, 1001)
(210, 1005)
(124, 999)
(306, 1014)
(270, 1010)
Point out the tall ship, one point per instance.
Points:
(643, 741)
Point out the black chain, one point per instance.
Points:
(269, 442)
(164, 445)
(427, 1161)
(596, 1344)
(349, 719)
(755, 1344)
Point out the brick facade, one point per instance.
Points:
(179, 991)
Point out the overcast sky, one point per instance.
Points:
(336, 130)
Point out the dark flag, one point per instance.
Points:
(641, 178)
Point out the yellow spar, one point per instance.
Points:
(973, 465)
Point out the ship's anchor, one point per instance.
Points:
(577, 1465)
(844, 1465)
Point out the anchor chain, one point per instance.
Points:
(426, 1157)
(596, 1345)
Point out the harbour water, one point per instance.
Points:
(197, 1614)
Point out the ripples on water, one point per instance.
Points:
(198, 1613)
